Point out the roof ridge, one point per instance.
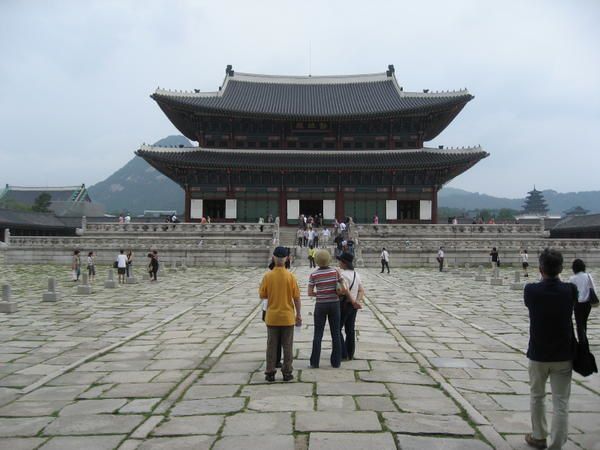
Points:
(43, 188)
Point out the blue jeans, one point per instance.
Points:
(348, 320)
(329, 311)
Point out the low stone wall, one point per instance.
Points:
(193, 244)
(407, 231)
(423, 252)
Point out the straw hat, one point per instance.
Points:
(322, 258)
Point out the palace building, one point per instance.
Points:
(339, 146)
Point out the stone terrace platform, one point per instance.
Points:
(178, 365)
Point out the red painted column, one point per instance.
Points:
(339, 204)
(434, 205)
(282, 207)
(187, 204)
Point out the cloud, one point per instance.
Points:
(76, 76)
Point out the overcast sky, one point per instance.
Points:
(75, 76)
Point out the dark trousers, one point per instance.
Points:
(153, 273)
(348, 320)
(276, 337)
(441, 262)
(582, 312)
(311, 262)
(300, 241)
(330, 312)
(384, 263)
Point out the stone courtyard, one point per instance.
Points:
(178, 364)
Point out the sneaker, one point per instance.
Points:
(288, 377)
(533, 442)
(278, 365)
(270, 377)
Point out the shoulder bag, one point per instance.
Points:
(344, 298)
(584, 362)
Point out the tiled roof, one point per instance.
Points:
(312, 159)
(312, 97)
(578, 222)
(26, 195)
(32, 220)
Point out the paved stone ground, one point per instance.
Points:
(178, 365)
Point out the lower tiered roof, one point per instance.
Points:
(302, 160)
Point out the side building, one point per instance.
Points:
(332, 145)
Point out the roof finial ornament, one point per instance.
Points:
(229, 70)
(390, 70)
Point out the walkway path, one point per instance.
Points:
(179, 365)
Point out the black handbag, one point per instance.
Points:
(584, 362)
(593, 298)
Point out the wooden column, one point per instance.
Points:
(434, 205)
(282, 202)
(339, 204)
(187, 204)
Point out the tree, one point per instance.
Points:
(506, 214)
(42, 202)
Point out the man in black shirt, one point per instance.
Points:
(550, 303)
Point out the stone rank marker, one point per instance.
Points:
(480, 276)
(110, 282)
(6, 306)
(51, 295)
(131, 279)
(84, 288)
(496, 280)
(516, 285)
(173, 267)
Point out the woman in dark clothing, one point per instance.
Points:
(153, 266)
(495, 258)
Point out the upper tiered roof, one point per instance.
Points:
(312, 97)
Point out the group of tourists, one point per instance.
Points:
(494, 259)
(338, 293)
(123, 263)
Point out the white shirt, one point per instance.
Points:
(121, 261)
(524, 257)
(326, 232)
(90, 261)
(311, 235)
(127, 218)
(584, 282)
(342, 226)
(385, 256)
(440, 253)
(348, 276)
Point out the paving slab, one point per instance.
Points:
(337, 421)
(351, 441)
(179, 443)
(258, 424)
(422, 399)
(83, 442)
(282, 403)
(427, 424)
(23, 426)
(178, 426)
(83, 407)
(406, 442)
(208, 406)
(93, 424)
(271, 442)
(355, 388)
(20, 443)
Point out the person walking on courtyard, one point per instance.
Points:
(550, 304)
(585, 284)
(91, 266)
(76, 265)
(311, 256)
(280, 288)
(440, 258)
(385, 260)
(300, 236)
(350, 303)
(152, 266)
(495, 258)
(322, 285)
(128, 268)
(121, 265)
(525, 263)
(326, 235)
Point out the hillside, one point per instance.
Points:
(137, 186)
(558, 202)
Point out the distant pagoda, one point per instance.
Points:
(535, 204)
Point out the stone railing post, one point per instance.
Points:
(7, 236)
(83, 224)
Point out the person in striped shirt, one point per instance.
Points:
(322, 285)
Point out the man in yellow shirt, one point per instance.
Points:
(280, 288)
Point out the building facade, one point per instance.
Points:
(333, 145)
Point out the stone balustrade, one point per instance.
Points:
(443, 230)
(163, 228)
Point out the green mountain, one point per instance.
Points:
(137, 186)
(558, 202)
